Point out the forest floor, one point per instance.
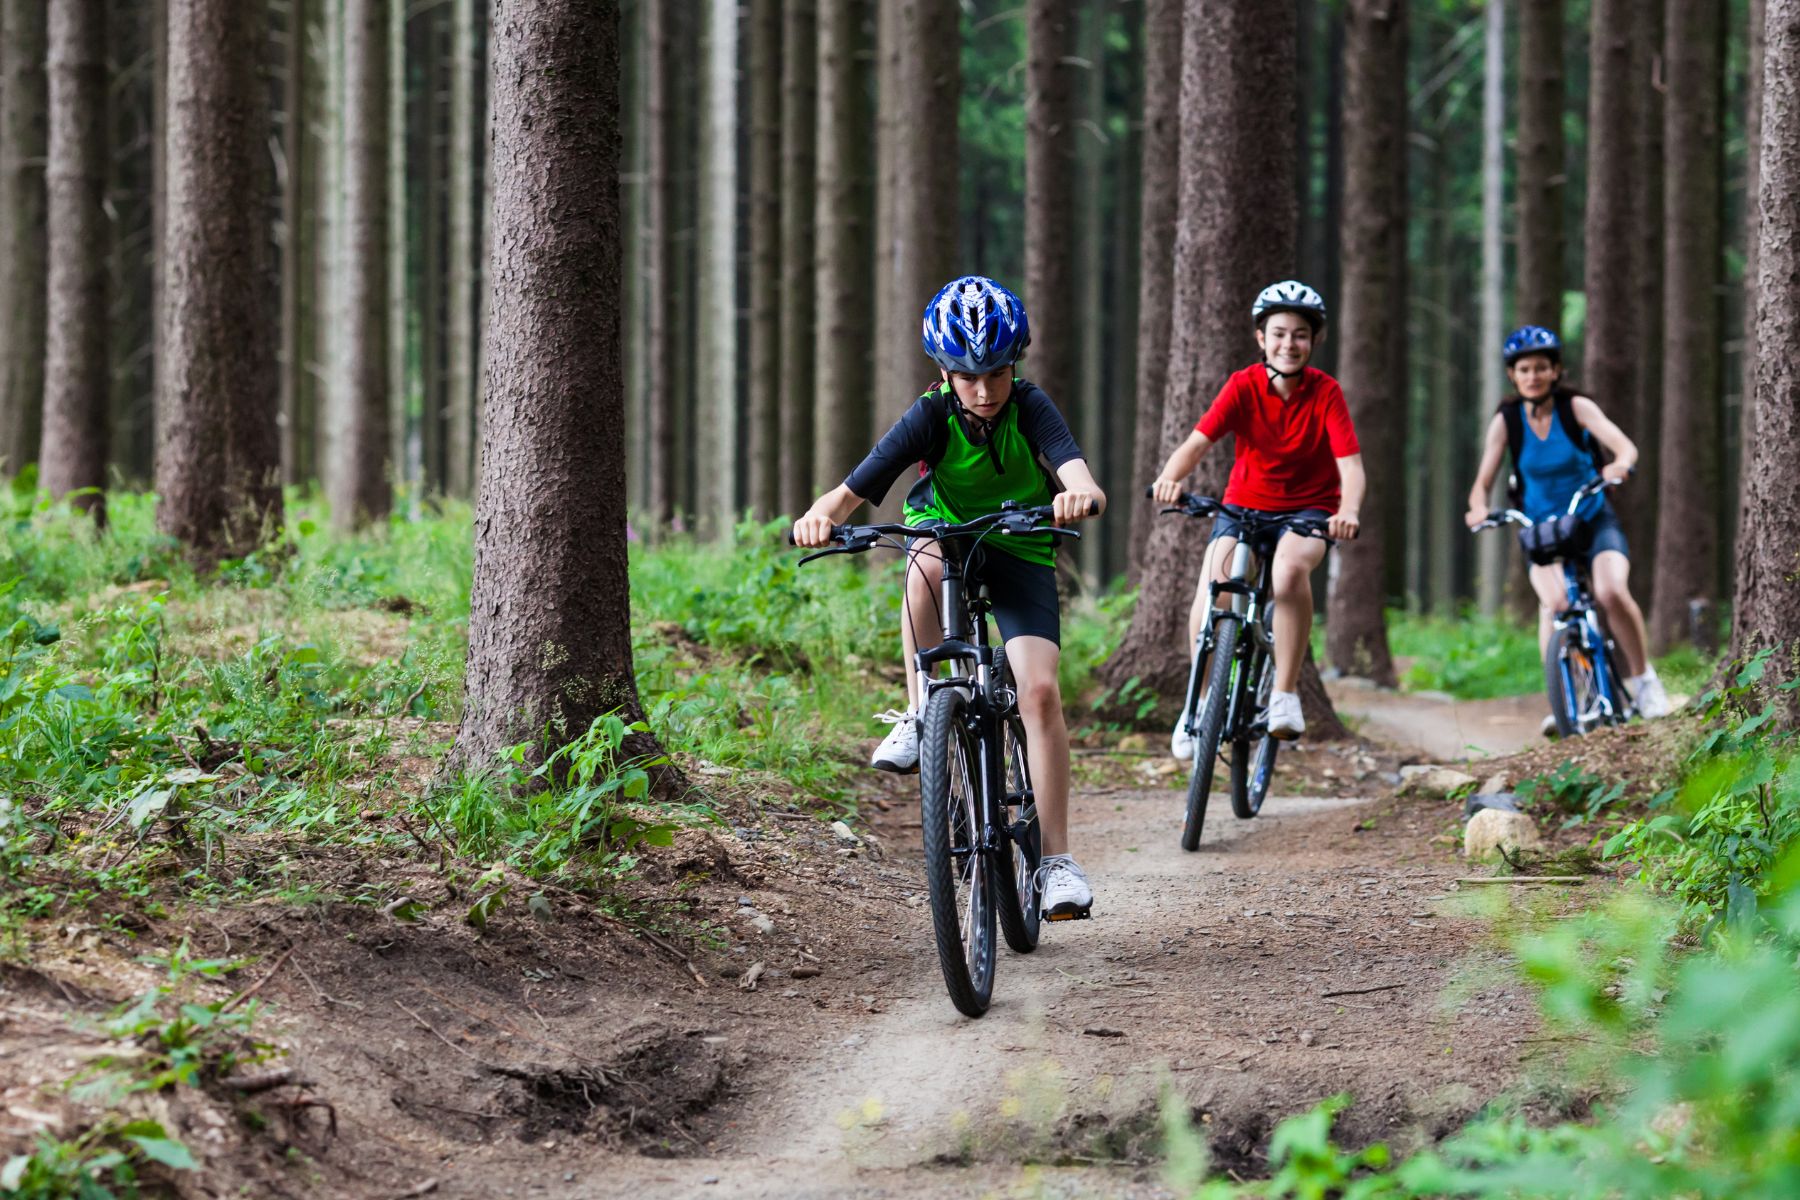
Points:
(801, 1043)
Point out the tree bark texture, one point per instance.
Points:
(1612, 342)
(1372, 330)
(715, 354)
(1493, 553)
(1753, 110)
(887, 347)
(1161, 174)
(1052, 90)
(1542, 174)
(461, 334)
(76, 367)
(358, 479)
(846, 164)
(1638, 510)
(799, 181)
(1125, 158)
(402, 453)
(1688, 493)
(1767, 609)
(294, 180)
(131, 306)
(662, 152)
(1236, 134)
(550, 625)
(432, 33)
(765, 386)
(24, 256)
(218, 456)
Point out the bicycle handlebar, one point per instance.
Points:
(1191, 505)
(1513, 516)
(1011, 519)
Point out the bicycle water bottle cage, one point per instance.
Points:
(1550, 540)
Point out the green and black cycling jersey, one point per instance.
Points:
(967, 471)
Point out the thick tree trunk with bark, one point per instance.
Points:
(1688, 494)
(460, 334)
(1767, 609)
(845, 243)
(131, 305)
(799, 182)
(1638, 506)
(76, 383)
(1120, 365)
(294, 264)
(1493, 555)
(1236, 134)
(218, 457)
(1542, 174)
(715, 354)
(1613, 338)
(1753, 112)
(1052, 90)
(662, 151)
(550, 624)
(1161, 173)
(763, 427)
(24, 258)
(1372, 329)
(358, 479)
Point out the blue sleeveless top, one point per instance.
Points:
(1552, 469)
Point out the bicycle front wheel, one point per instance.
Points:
(1022, 847)
(1210, 726)
(957, 874)
(1570, 681)
(1253, 755)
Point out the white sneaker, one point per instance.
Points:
(1181, 742)
(1064, 889)
(1652, 700)
(899, 750)
(1548, 728)
(1285, 719)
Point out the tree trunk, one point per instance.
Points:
(716, 323)
(1051, 91)
(1372, 363)
(765, 383)
(799, 242)
(845, 242)
(433, 220)
(550, 624)
(1542, 173)
(888, 315)
(1084, 403)
(1157, 231)
(76, 383)
(131, 151)
(1767, 609)
(1753, 112)
(24, 256)
(401, 452)
(1687, 500)
(218, 454)
(1494, 557)
(1441, 513)
(1236, 134)
(358, 479)
(460, 347)
(1120, 364)
(662, 151)
(1638, 509)
(294, 180)
(1612, 341)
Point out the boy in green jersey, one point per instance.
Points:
(982, 437)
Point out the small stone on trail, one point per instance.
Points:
(1432, 781)
(745, 901)
(1306, 1037)
(1103, 1031)
(1493, 828)
(804, 971)
(1497, 782)
(843, 833)
(763, 924)
(749, 978)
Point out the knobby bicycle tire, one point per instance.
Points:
(1568, 702)
(1253, 759)
(1211, 725)
(947, 751)
(1015, 867)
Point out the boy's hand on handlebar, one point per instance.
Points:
(1476, 516)
(1072, 506)
(1166, 491)
(812, 530)
(1344, 525)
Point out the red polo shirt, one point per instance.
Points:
(1287, 450)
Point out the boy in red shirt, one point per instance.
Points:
(1296, 455)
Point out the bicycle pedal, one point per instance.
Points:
(1070, 914)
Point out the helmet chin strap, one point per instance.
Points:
(1276, 372)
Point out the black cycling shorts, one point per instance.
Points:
(1021, 595)
(1599, 534)
(1226, 525)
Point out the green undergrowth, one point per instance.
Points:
(1681, 989)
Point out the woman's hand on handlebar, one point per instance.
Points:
(1476, 515)
(1616, 472)
(1076, 505)
(1166, 491)
(1344, 525)
(812, 530)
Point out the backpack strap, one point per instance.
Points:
(1565, 412)
(1513, 413)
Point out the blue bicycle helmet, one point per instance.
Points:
(974, 326)
(1532, 339)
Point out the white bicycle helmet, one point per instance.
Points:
(1290, 295)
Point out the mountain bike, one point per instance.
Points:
(1234, 656)
(1581, 672)
(983, 846)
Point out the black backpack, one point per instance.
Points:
(1513, 412)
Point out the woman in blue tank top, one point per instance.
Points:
(1554, 461)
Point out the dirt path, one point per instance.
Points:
(1439, 727)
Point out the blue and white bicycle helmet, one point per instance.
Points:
(974, 326)
(1290, 295)
(1531, 339)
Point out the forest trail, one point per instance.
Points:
(1208, 971)
(1440, 727)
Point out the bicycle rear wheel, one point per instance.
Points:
(1253, 756)
(958, 876)
(1210, 726)
(1570, 681)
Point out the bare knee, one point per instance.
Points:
(1040, 699)
(1292, 582)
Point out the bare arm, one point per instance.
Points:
(1597, 423)
(1491, 450)
(1346, 523)
(1079, 493)
(814, 528)
(1181, 464)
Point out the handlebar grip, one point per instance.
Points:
(1093, 508)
